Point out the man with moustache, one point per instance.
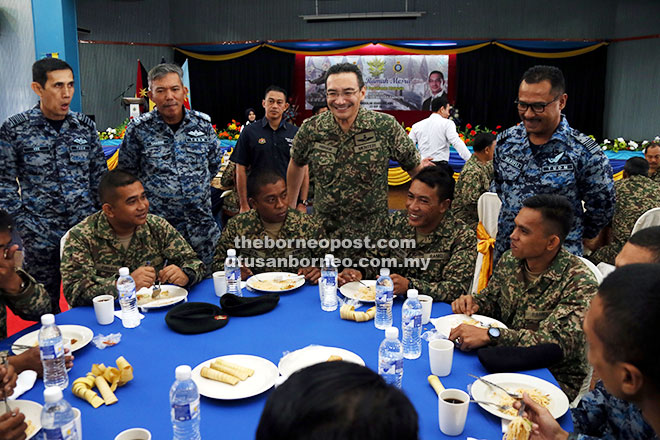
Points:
(544, 155)
(52, 162)
(652, 155)
(436, 84)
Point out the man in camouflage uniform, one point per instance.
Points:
(446, 244)
(652, 154)
(54, 156)
(635, 194)
(543, 155)
(538, 289)
(176, 153)
(474, 180)
(270, 219)
(230, 205)
(348, 150)
(124, 234)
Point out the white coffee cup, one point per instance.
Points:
(78, 421)
(441, 355)
(427, 305)
(453, 407)
(134, 434)
(104, 309)
(219, 283)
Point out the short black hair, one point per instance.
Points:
(437, 72)
(556, 211)
(537, 74)
(6, 221)
(259, 178)
(438, 178)
(112, 180)
(317, 108)
(345, 68)
(651, 145)
(636, 166)
(483, 140)
(628, 335)
(337, 401)
(648, 238)
(274, 88)
(41, 67)
(439, 102)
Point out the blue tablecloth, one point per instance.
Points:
(154, 351)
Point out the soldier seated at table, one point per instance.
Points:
(538, 289)
(474, 180)
(635, 194)
(441, 262)
(623, 350)
(124, 234)
(269, 237)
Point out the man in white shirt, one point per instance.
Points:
(434, 134)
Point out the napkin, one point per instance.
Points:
(118, 314)
(24, 382)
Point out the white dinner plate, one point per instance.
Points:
(352, 290)
(444, 324)
(312, 355)
(32, 412)
(513, 382)
(264, 377)
(253, 281)
(175, 294)
(80, 333)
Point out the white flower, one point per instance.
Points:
(657, 138)
(607, 141)
(633, 144)
(604, 147)
(621, 140)
(644, 143)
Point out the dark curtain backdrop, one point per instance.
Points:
(224, 89)
(488, 81)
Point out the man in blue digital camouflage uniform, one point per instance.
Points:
(545, 155)
(55, 156)
(175, 153)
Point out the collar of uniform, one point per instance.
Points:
(561, 130)
(264, 123)
(557, 268)
(286, 226)
(186, 116)
(37, 117)
(441, 231)
(106, 232)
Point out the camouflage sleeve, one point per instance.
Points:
(129, 157)
(597, 191)
(563, 325)
(403, 149)
(226, 242)
(227, 179)
(457, 273)
(177, 251)
(30, 304)
(98, 167)
(302, 144)
(79, 277)
(215, 152)
(467, 196)
(10, 199)
(496, 185)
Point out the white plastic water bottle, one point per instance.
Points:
(57, 417)
(51, 349)
(411, 326)
(328, 284)
(384, 299)
(130, 317)
(390, 357)
(184, 401)
(233, 273)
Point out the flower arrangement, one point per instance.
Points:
(468, 133)
(114, 133)
(620, 144)
(232, 132)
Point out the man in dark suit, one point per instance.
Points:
(437, 85)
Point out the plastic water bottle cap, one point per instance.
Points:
(47, 319)
(231, 252)
(329, 257)
(124, 271)
(384, 272)
(413, 293)
(52, 394)
(392, 333)
(182, 372)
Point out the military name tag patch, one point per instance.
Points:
(366, 147)
(157, 144)
(106, 268)
(436, 255)
(514, 163)
(536, 315)
(83, 147)
(557, 168)
(36, 149)
(325, 148)
(367, 137)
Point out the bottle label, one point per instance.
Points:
(127, 294)
(66, 432)
(185, 412)
(49, 352)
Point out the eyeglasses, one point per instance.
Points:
(537, 107)
(333, 94)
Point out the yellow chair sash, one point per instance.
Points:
(485, 246)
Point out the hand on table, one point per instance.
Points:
(349, 275)
(544, 426)
(12, 425)
(31, 360)
(400, 284)
(469, 337)
(144, 276)
(8, 380)
(173, 274)
(464, 304)
(312, 274)
(246, 273)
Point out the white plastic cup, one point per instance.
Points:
(453, 407)
(134, 434)
(441, 355)
(219, 283)
(77, 421)
(427, 305)
(104, 309)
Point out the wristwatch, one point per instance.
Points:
(493, 334)
(304, 202)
